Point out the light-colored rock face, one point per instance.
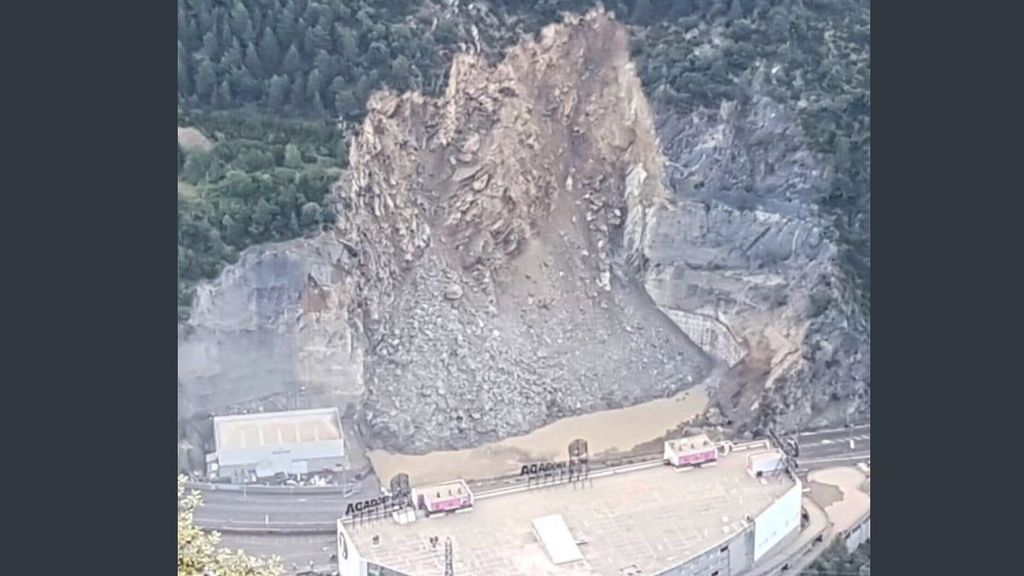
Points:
(519, 250)
(273, 330)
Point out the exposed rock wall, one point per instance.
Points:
(748, 247)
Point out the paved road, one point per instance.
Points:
(833, 448)
(232, 512)
(224, 510)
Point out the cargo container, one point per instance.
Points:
(443, 498)
(691, 451)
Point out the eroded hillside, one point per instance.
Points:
(519, 250)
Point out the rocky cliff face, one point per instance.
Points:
(520, 250)
(749, 265)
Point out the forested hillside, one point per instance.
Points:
(257, 75)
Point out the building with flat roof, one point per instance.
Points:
(647, 520)
(298, 443)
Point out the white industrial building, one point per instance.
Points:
(649, 520)
(295, 443)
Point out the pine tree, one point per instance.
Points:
(292, 62)
(285, 28)
(270, 50)
(223, 97)
(226, 37)
(206, 80)
(318, 106)
(252, 62)
(349, 46)
(241, 23)
(320, 35)
(345, 103)
(211, 47)
(400, 70)
(232, 56)
(324, 63)
(298, 93)
(277, 92)
(301, 26)
(314, 83)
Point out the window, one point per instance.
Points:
(724, 548)
(715, 573)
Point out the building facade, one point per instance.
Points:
(258, 446)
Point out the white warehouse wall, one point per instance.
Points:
(777, 521)
(349, 561)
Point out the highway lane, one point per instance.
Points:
(231, 511)
(834, 447)
(224, 509)
(293, 550)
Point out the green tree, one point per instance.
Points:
(211, 47)
(349, 45)
(320, 35)
(252, 62)
(232, 58)
(641, 13)
(199, 552)
(400, 71)
(292, 61)
(277, 92)
(262, 218)
(194, 168)
(378, 54)
(286, 24)
(206, 80)
(223, 97)
(314, 84)
(270, 50)
(311, 213)
(324, 63)
(292, 156)
(298, 94)
(318, 105)
(241, 23)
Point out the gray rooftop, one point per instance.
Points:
(245, 438)
(654, 518)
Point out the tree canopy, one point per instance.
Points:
(199, 553)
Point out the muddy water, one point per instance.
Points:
(606, 433)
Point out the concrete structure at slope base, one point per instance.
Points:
(645, 520)
(259, 446)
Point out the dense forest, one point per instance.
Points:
(278, 84)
